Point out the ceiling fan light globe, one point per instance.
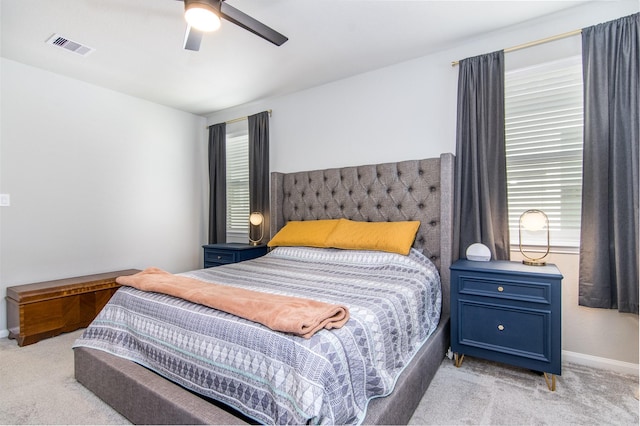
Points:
(201, 17)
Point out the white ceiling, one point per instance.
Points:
(138, 43)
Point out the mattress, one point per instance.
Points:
(394, 303)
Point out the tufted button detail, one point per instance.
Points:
(410, 189)
(378, 206)
(421, 240)
(350, 192)
(433, 223)
(295, 208)
(433, 257)
(341, 178)
(420, 172)
(302, 194)
(378, 175)
(368, 191)
(432, 188)
(295, 181)
(421, 206)
(325, 206)
(399, 173)
(325, 178)
(359, 176)
(358, 207)
(341, 206)
(333, 192)
(388, 190)
(399, 206)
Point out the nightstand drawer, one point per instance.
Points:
(509, 289)
(521, 332)
(219, 256)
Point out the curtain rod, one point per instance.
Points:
(235, 120)
(534, 43)
(246, 117)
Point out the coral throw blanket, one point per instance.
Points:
(299, 316)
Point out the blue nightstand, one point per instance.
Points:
(507, 312)
(224, 254)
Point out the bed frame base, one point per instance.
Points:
(144, 397)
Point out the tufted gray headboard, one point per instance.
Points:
(408, 190)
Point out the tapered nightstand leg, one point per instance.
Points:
(551, 383)
(457, 359)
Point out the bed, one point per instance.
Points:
(404, 191)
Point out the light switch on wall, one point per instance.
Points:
(5, 200)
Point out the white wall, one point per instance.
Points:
(408, 111)
(99, 181)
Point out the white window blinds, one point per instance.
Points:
(543, 125)
(237, 186)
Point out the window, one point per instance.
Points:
(237, 184)
(543, 125)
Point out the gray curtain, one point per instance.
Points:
(259, 168)
(609, 233)
(217, 184)
(481, 214)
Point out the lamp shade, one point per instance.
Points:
(256, 219)
(533, 222)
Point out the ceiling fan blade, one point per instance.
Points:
(245, 21)
(192, 39)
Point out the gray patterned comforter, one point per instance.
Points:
(276, 378)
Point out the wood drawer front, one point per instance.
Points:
(508, 289)
(511, 330)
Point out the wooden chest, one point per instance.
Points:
(40, 310)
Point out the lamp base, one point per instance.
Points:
(534, 262)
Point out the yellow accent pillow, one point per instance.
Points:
(394, 237)
(307, 233)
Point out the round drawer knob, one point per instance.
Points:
(501, 327)
(500, 288)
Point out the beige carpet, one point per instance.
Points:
(487, 393)
(37, 387)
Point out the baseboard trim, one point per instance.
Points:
(602, 363)
(4, 333)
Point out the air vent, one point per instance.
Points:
(72, 46)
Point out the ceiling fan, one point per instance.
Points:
(204, 16)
